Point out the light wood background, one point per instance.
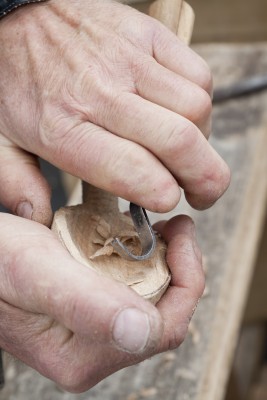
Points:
(226, 20)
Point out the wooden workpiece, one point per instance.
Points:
(86, 230)
(229, 235)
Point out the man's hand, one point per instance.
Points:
(109, 95)
(77, 327)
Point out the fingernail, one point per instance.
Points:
(131, 330)
(24, 210)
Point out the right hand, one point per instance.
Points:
(107, 94)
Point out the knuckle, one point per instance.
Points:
(199, 110)
(141, 70)
(120, 105)
(52, 127)
(213, 184)
(167, 196)
(218, 181)
(60, 119)
(139, 30)
(164, 192)
(202, 107)
(180, 140)
(205, 80)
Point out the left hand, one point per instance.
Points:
(67, 322)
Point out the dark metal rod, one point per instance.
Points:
(242, 88)
(2, 377)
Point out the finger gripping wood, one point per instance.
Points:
(86, 230)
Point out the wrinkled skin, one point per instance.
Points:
(111, 96)
(60, 317)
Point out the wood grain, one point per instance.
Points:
(176, 15)
(168, 12)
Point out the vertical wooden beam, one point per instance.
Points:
(2, 378)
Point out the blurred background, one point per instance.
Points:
(217, 21)
(226, 20)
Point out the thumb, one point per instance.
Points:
(46, 279)
(23, 189)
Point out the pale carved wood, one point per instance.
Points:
(86, 230)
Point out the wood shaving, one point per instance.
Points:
(105, 238)
(149, 392)
(105, 251)
(99, 241)
(103, 229)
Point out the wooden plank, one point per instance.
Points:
(259, 391)
(247, 362)
(256, 310)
